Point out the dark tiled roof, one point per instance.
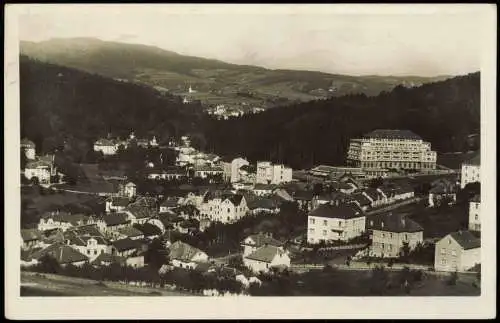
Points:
(303, 195)
(235, 199)
(141, 212)
(361, 199)
(466, 239)
(170, 202)
(120, 201)
(341, 211)
(130, 232)
(392, 134)
(268, 187)
(115, 219)
(31, 234)
(261, 203)
(476, 160)
(126, 244)
(265, 253)
(62, 253)
(395, 223)
(262, 239)
(182, 251)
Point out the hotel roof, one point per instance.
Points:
(392, 134)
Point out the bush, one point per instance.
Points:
(453, 278)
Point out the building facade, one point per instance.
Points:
(394, 149)
(471, 171)
(457, 251)
(391, 232)
(334, 221)
(474, 214)
(231, 169)
(268, 173)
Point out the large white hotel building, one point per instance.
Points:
(396, 149)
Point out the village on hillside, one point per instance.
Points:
(158, 212)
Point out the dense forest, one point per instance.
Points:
(67, 109)
(443, 113)
(63, 108)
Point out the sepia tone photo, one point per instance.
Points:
(170, 153)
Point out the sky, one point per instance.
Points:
(353, 40)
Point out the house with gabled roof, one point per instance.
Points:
(169, 203)
(471, 170)
(30, 238)
(267, 257)
(106, 146)
(112, 222)
(361, 201)
(129, 232)
(335, 221)
(127, 247)
(260, 189)
(89, 245)
(116, 204)
(255, 241)
(440, 190)
(263, 205)
(304, 199)
(106, 259)
(457, 251)
(63, 254)
(183, 255)
(139, 214)
(63, 220)
(225, 208)
(390, 232)
(376, 197)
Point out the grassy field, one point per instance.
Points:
(33, 284)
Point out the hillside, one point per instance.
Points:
(302, 135)
(215, 81)
(63, 107)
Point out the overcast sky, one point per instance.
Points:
(408, 42)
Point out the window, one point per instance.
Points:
(95, 252)
(454, 253)
(443, 261)
(311, 221)
(390, 234)
(443, 251)
(406, 237)
(477, 217)
(324, 232)
(325, 222)
(228, 210)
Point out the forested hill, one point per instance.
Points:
(61, 104)
(444, 113)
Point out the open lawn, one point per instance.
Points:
(56, 285)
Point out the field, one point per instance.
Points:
(33, 284)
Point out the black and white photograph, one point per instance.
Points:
(251, 152)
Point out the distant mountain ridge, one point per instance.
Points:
(216, 82)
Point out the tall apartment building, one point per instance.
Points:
(268, 173)
(474, 214)
(471, 171)
(397, 149)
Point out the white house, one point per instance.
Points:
(263, 189)
(63, 221)
(29, 149)
(169, 203)
(90, 246)
(390, 232)
(183, 255)
(206, 171)
(130, 190)
(224, 208)
(255, 241)
(231, 169)
(106, 146)
(268, 173)
(335, 221)
(474, 213)
(267, 257)
(40, 169)
(457, 251)
(471, 171)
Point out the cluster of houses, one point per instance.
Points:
(109, 146)
(41, 168)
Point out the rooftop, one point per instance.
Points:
(466, 239)
(262, 239)
(182, 251)
(476, 160)
(265, 253)
(336, 211)
(115, 219)
(64, 254)
(126, 244)
(392, 134)
(395, 223)
(31, 234)
(106, 258)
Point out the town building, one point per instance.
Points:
(116, 204)
(106, 146)
(28, 148)
(255, 241)
(263, 189)
(63, 220)
(127, 247)
(442, 190)
(335, 172)
(42, 168)
(130, 190)
(231, 169)
(183, 255)
(223, 208)
(89, 245)
(471, 171)
(269, 173)
(30, 238)
(475, 213)
(335, 221)
(391, 149)
(457, 251)
(267, 257)
(208, 171)
(63, 254)
(390, 232)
